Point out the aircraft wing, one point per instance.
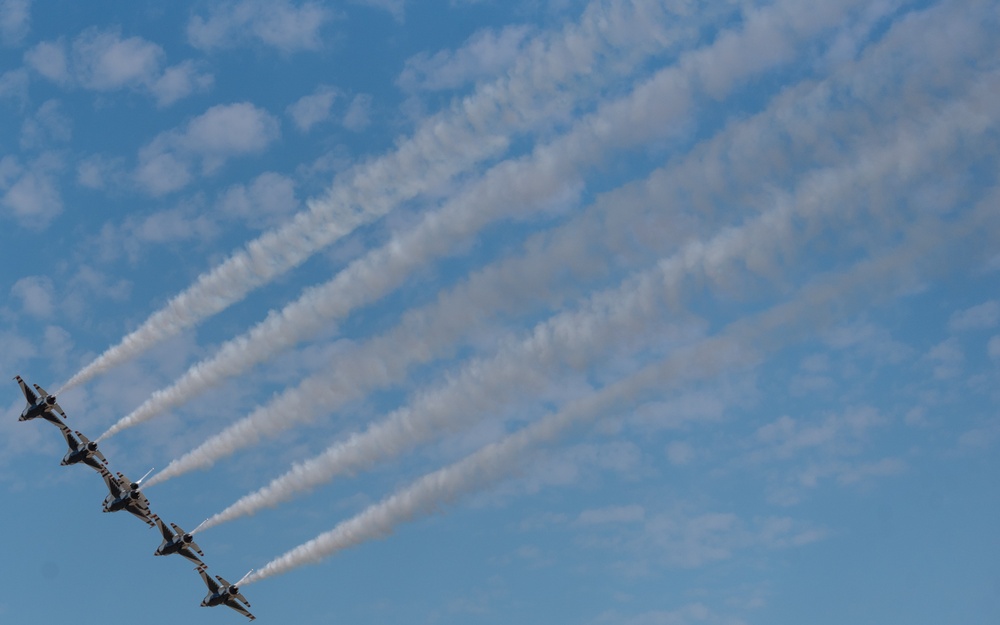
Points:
(28, 393)
(163, 528)
(186, 554)
(213, 586)
(71, 440)
(239, 608)
(140, 512)
(113, 484)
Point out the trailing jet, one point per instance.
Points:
(125, 495)
(224, 593)
(40, 404)
(177, 541)
(82, 449)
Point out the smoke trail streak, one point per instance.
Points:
(387, 357)
(517, 186)
(547, 83)
(612, 318)
(742, 343)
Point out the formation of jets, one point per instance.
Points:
(124, 494)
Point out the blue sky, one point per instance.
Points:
(607, 312)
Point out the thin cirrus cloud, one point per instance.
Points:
(103, 60)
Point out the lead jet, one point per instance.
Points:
(82, 449)
(40, 404)
(125, 495)
(177, 541)
(224, 593)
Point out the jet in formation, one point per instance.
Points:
(177, 541)
(40, 404)
(82, 449)
(125, 495)
(223, 593)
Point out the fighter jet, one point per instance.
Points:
(40, 404)
(177, 541)
(224, 593)
(82, 449)
(125, 495)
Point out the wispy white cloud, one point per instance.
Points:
(15, 21)
(48, 58)
(222, 132)
(486, 53)
(681, 453)
(946, 358)
(612, 515)
(982, 317)
(37, 295)
(993, 348)
(102, 172)
(30, 192)
(358, 114)
(104, 60)
(312, 109)
(14, 86)
(266, 200)
(179, 81)
(837, 434)
(395, 8)
(47, 126)
(281, 24)
(186, 222)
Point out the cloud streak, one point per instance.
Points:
(740, 344)
(554, 75)
(514, 188)
(621, 316)
(424, 333)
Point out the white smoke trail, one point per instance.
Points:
(649, 112)
(546, 83)
(742, 343)
(419, 337)
(618, 316)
